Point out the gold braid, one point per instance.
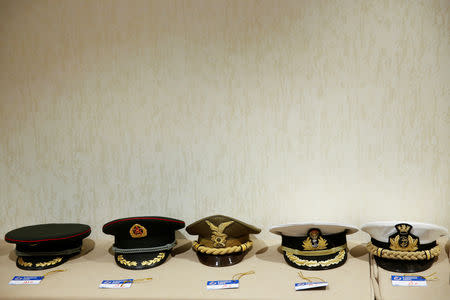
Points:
(221, 251)
(157, 259)
(49, 263)
(315, 263)
(23, 263)
(404, 255)
(52, 262)
(150, 262)
(125, 262)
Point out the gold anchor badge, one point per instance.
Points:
(138, 231)
(218, 237)
(403, 241)
(315, 241)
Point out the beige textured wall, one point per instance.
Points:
(269, 111)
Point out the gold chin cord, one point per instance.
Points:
(404, 255)
(221, 251)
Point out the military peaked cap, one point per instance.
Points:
(142, 242)
(314, 246)
(222, 241)
(405, 247)
(45, 246)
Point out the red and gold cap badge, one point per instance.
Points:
(138, 231)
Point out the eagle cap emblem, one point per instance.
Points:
(315, 241)
(218, 237)
(138, 231)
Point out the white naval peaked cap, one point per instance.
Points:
(301, 229)
(381, 231)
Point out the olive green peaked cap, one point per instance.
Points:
(222, 240)
(237, 228)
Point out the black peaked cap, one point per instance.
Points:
(142, 242)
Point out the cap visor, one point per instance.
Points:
(140, 261)
(324, 262)
(221, 260)
(404, 266)
(40, 262)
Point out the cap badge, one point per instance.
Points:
(403, 240)
(218, 237)
(138, 231)
(315, 241)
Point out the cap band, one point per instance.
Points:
(49, 253)
(143, 250)
(420, 247)
(306, 242)
(314, 252)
